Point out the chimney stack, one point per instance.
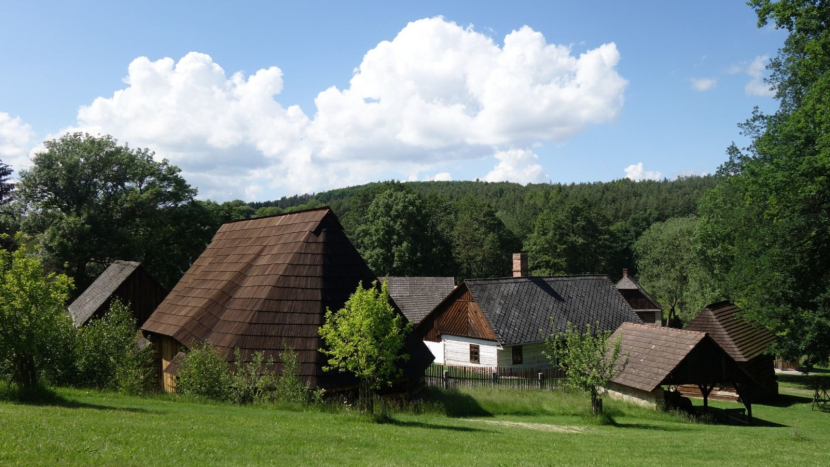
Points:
(625, 272)
(519, 264)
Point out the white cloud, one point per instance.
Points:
(703, 84)
(15, 141)
(637, 173)
(437, 92)
(757, 87)
(442, 177)
(517, 165)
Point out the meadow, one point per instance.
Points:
(471, 427)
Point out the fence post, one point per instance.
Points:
(446, 378)
(541, 381)
(495, 379)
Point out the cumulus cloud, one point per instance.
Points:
(442, 177)
(517, 165)
(436, 92)
(703, 84)
(637, 173)
(757, 87)
(15, 141)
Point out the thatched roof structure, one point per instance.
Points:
(264, 284)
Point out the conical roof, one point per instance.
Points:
(264, 284)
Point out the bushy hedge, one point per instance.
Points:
(105, 354)
(205, 372)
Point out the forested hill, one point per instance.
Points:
(471, 227)
(638, 204)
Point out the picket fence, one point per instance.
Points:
(451, 377)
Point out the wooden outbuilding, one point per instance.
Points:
(417, 296)
(746, 343)
(265, 284)
(127, 281)
(647, 307)
(504, 322)
(661, 356)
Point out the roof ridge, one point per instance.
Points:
(651, 326)
(566, 276)
(322, 208)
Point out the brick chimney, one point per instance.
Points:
(519, 264)
(625, 272)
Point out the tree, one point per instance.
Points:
(31, 312)
(765, 230)
(365, 338)
(589, 360)
(482, 245)
(670, 268)
(92, 201)
(573, 239)
(393, 237)
(5, 186)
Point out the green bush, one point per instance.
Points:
(104, 346)
(289, 387)
(252, 381)
(204, 372)
(136, 373)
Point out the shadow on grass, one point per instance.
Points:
(46, 397)
(786, 400)
(430, 426)
(609, 420)
(457, 404)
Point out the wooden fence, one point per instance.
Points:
(451, 377)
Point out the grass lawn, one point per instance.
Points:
(483, 428)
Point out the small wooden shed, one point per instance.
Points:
(127, 281)
(661, 356)
(746, 343)
(265, 284)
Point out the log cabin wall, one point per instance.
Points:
(166, 350)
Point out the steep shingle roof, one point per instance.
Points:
(741, 340)
(653, 352)
(264, 284)
(519, 309)
(85, 306)
(417, 296)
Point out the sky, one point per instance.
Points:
(258, 100)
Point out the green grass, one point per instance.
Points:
(74, 427)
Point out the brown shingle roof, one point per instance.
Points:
(417, 296)
(741, 340)
(263, 284)
(97, 294)
(653, 353)
(629, 283)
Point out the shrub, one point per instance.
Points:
(252, 381)
(289, 387)
(136, 372)
(104, 346)
(204, 373)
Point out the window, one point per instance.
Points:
(474, 353)
(517, 354)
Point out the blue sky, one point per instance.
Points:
(669, 93)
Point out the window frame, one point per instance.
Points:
(520, 355)
(477, 349)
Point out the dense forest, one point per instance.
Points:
(757, 232)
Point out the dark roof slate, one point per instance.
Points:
(653, 352)
(85, 306)
(741, 340)
(417, 296)
(519, 309)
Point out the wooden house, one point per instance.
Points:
(127, 281)
(746, 343)
(504, 322)
(265, 284)
(647, 308)
(417, 296)
(660, 356)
